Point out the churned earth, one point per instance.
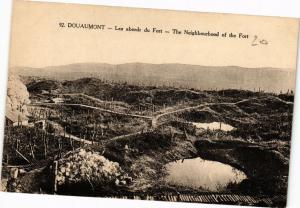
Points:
(167, 129)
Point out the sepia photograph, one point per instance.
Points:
(147, 104)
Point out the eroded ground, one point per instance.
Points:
(144, 128)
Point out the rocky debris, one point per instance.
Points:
(17, 95)
(87, 166)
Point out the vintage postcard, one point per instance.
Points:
(149, 104)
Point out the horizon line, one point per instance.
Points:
(167, 63)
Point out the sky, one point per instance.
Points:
(38, 41)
